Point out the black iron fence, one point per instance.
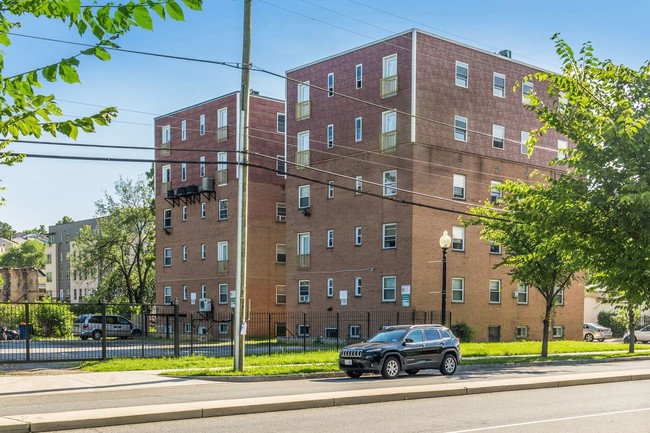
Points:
(64, 332)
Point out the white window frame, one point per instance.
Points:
(304, 197)
(330, 238)
(330, 189)
(388, 286)
(330, 136)
(495, 292)
(497, 90)
(389, 236)
(304, 243)
(330, 84)
(166, 174)
(282, 122)
(358, 236)
(354, 331)
(223, 294)
(358, 129)
(498, 137)
(358, 185)
(202, 166)
(223, 209)
(523, 140)
(389, 183)
(166, 134)
(460, 128)
(280, 165)
(167, 257)
(387, 63)
(358, 73)
(167, 218)
(184, 293)
(280, 250)
(222, 117)
(204, 291)
(460, 184)
(462, 80)
(522, 331)
(559, 296)
(458, 288)
(280, 294)
(304, 291)
(303, 92)
(183, 171)
(522, 294)
(167, 295)
(458, 238)
(562, 147)
(183, 130)
(495, 248)
(527, 87)
(222, 251)
(184, 213)
(495, 194)
(202, 124)
(281, 212)
(330, 287)
(184, 253)
(558, 331)
(203, 251)
(358, 282)
(203, 210)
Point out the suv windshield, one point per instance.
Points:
(389, 336)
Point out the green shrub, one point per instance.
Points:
(463, 331)
(617, 322)
(50, 318)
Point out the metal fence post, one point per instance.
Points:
(27, 333)
(269, 328)
(177, 346)
(304, 331)
(191, 334)
(103, 308)
(338, 329)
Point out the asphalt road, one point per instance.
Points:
(603, 408)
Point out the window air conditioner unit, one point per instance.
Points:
(205, 305)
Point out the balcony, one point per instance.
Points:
(165, 148)
(222, 177)
(304, 261)
(303, 110)
(222, 266)
(222, 133)
(389, 86)
(302, 158)
(388, 141)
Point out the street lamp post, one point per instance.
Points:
(445, 242)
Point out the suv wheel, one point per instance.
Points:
(353, 374)
(589, 337)
(390, 369)
(97, 334)
(448, 365)
(137, 333)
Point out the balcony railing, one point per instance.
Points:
(303, 110)
(388, 141)
(165, 148)
(304, 261)
(222, 266)
(302, 158)
(222, 177)
(222, 133)
(389, 86)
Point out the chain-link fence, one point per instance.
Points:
(76, 332)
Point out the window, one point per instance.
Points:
(280, 165)
(330, 84)
(223, 328)
(302, 153)
(498, 136)
(202, 166)
(559, 297)
(183, 171)
(184, 213)
(524, 139)
(388, 130)
(357, 287)
(48, 259)
(166, 134)
(522, 294)
(388, 289)
(281, 295)
(222, 168)
(495, 192)
(390, 183)
(462, 71)
(389, 76)
(495, 248)
(204, 291)
(457, 290)
(330, 287)
(203, 252)
(223, 293)
(460, 128)
(303, 291)
(330, 189)
(358, 236)
(184, 253)
(526, 90)
(495, 291)
(184, 130)
(561, 149)
(358, 129)
(522, 331)
(222, 124)
(167, 257)
(303, 197)
(458, 238)
(499, 85)
(330, 238)
(203, 210)
(166, 173)
(303, 105)
(330, 135)
(202, 124)
(223, 209)
(389, 236)
(167, 220)
(359, 76)
(167, 295)
(49, 277)
(355, 331)
(304, 250)
(222, 256)
(280, 212)
(281, 123)
(280, 253)
(459, 187)
(358, 185)
(558, 332)
(303, 331)
(184, 293)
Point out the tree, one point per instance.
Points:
(6, 231)
(25, 111)
(536, 254)
(123, 247)
(41, 230)
(29, 254)
(65, 220)
(604, 110)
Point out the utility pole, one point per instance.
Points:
(242, 193)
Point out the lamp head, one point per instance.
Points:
(445, 240)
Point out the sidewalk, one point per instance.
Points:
(161, 398)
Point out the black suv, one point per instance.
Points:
(408, 348)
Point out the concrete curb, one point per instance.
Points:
(167, 412)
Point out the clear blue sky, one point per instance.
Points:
(286, 34)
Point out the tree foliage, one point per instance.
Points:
(26, 112)
(122, 249)
(6, 231)
(64, 220)
(29, 254)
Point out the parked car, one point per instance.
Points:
(90, 325)
(642, 335)
(408, 348)
(592, 331)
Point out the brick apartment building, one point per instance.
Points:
(196, 206)
(428, 121)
